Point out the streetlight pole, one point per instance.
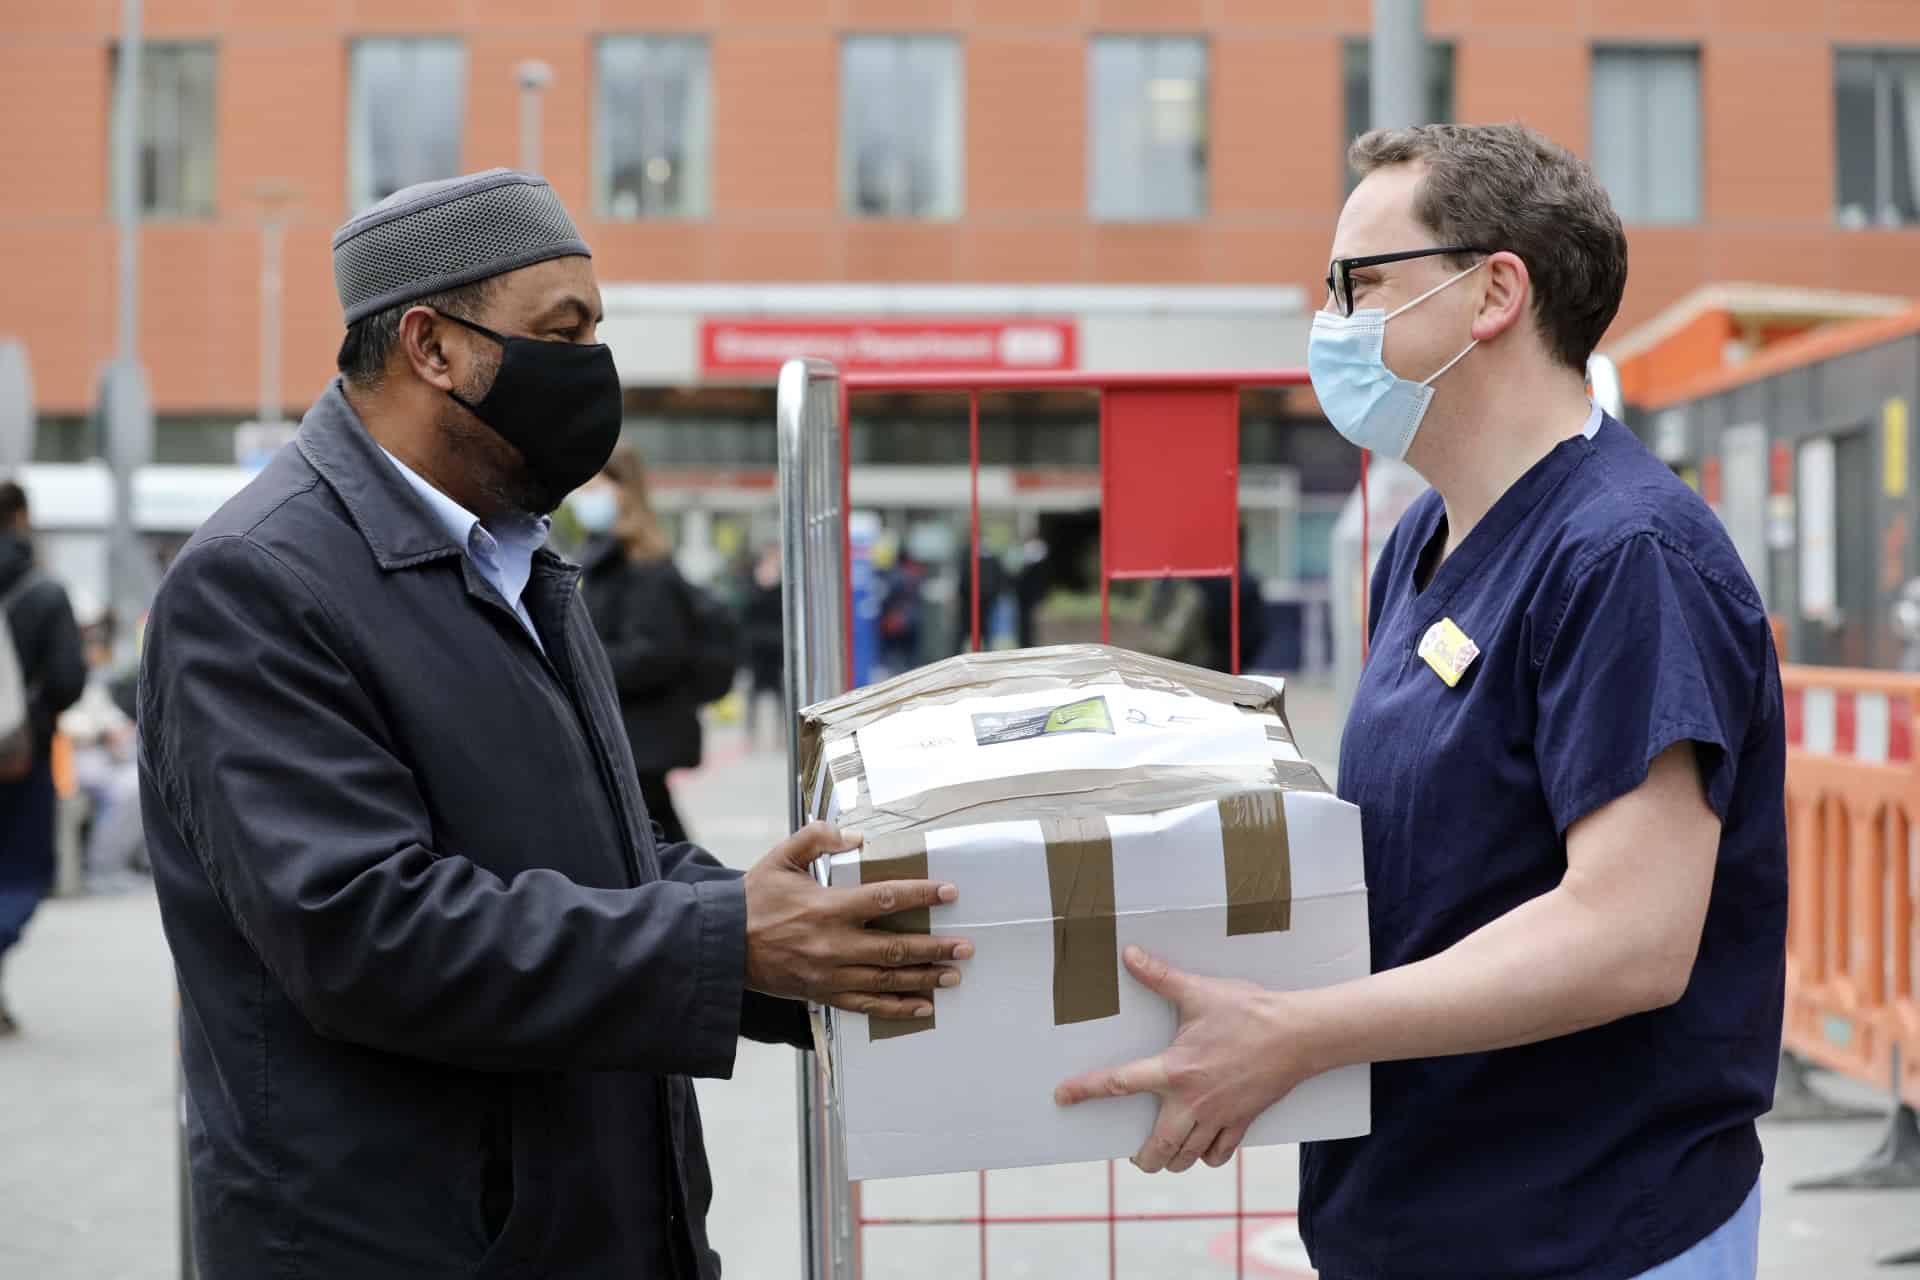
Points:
(126, 172)
(1398, 94)
(126, 410)
(274, 198)
(533, 76)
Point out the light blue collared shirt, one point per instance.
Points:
(503, 554)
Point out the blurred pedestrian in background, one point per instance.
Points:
(672, 648)
(44, 642)
(766, 646)
(902, 607)
(101, 734)
(994, 581)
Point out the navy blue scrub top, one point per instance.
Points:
(1614, 619)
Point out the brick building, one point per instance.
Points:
(1120, 182)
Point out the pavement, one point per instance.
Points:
(87, 1163)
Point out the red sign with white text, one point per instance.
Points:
(740, 347)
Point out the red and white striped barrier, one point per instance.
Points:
(1871, 728)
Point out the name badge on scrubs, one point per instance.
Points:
(1448, 651)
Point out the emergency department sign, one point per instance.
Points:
(760, 347)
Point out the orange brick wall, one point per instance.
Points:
(1276, 111)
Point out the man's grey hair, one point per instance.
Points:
(371, 340)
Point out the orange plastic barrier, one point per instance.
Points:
(1853, 798)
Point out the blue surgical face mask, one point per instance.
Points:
(1364, 400)
(595, 509)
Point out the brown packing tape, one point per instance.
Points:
(827, 721)
(1060, 666)
(1253, 838)
(1084, 793)
(902, 856)
(1086, 953)
(1277, 708)
(1144, 789)
(1017, 671)
(846, 767)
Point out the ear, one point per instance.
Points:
(1509, 292)
(423, 345)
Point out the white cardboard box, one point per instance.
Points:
(1254, 873)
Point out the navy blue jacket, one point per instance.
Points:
(441, 990)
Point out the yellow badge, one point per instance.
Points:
(1448, 651)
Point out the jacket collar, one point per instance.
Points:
(397, 526)
(397, 523)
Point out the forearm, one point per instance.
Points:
(1550, 967)
(435, 958)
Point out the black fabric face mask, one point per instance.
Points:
(558, 403)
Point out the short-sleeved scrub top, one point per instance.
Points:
(1612, 619)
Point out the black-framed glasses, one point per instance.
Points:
(1340, 270)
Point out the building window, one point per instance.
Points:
(652, 127)
(1876, 98)
(1646, 132)
(1357, 79)
(403, 119)
(1147, 134)
(900, 126)
(175, 147)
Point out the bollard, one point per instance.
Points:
(1795, 1101)
(1894, 1164)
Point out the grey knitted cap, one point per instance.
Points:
(440, 235)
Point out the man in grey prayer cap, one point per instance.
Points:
(442, 984)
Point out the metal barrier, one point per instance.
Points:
(1169, 486)
(815, 602)
(1853, 798)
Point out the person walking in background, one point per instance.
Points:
(45, 642)
(902, 607)
(102, 736)
(766, 643)
(649, 618)
(993, 581)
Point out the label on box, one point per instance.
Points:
(1088, 715)
(1094, 727)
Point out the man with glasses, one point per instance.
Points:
(1568, 751)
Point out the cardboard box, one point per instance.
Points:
(1083, 799)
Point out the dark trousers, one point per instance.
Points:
(769, 688)
(653, 789)
(26, 847)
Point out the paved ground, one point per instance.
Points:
(86, 1139)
